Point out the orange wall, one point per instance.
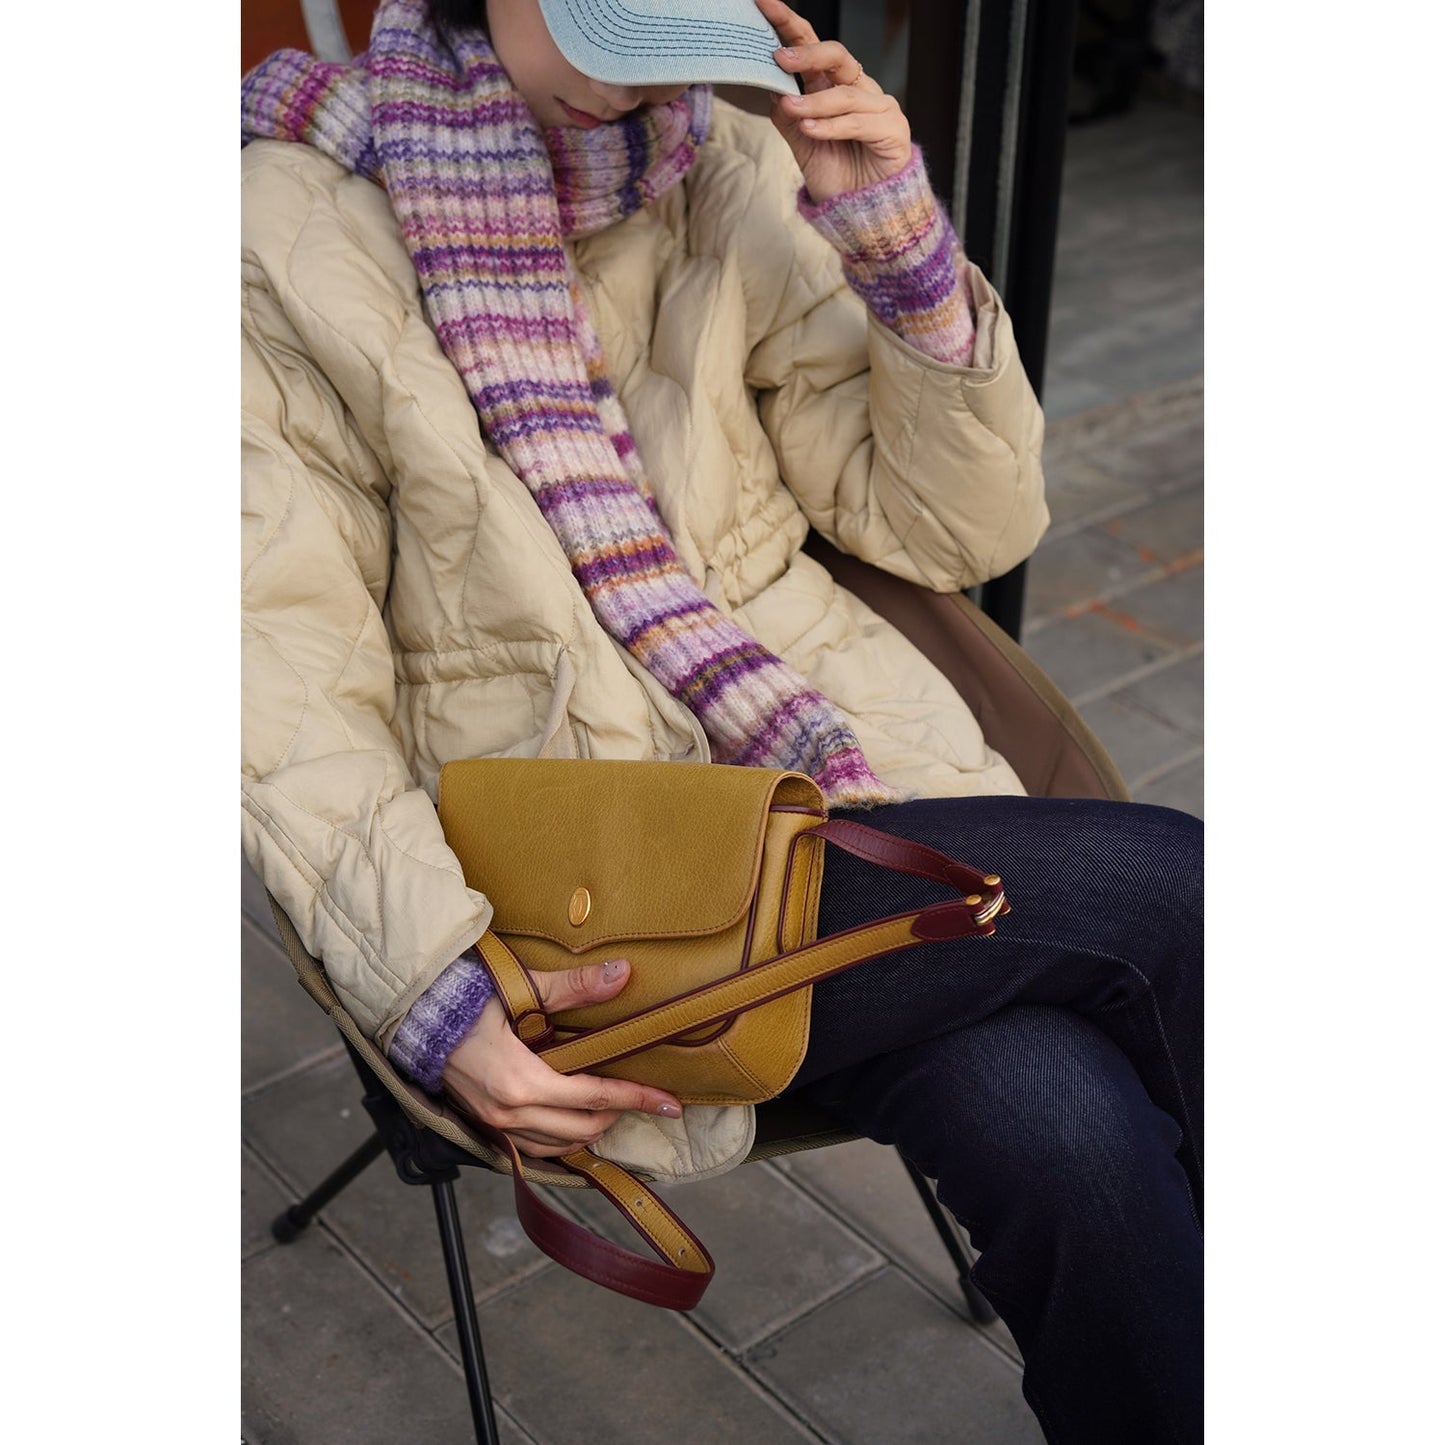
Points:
(268, 25)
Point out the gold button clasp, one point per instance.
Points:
(579, 907)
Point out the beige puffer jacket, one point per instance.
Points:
(405, 603)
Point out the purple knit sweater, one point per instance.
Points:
(901, 255)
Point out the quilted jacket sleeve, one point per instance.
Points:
(329, 810)
(929, 470)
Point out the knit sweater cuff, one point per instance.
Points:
(440, 1019)
(900, 254)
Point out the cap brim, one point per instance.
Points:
(668, 42)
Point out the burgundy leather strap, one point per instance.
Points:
(675, 1284)
(901, 855)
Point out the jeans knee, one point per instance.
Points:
(1069, 1182)
(1168, 847)
(1034, 1109)
(1162, 855)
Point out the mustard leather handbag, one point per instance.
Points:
(707, 879)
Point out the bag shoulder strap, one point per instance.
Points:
(983, 901)
(519, 994)
(676, 1283)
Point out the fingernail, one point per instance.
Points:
(612, 970)
(669, 1111)
(791, 54)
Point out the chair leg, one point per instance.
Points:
(979, 1309)
(290, 1222)
(420, 1157)
(469, 1335)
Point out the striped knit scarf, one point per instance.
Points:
(484, 208)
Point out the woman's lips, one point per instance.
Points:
(580, 117)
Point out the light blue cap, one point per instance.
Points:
(668, 42)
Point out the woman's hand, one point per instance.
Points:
(845, 132)
(493, 1075)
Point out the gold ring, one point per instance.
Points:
(859, 76)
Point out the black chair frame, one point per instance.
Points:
(422, 1157)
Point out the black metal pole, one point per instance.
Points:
(469, 1334)
(823, 15)
(1048, 58)
(290, 1222)
(1043, 125)
(934, 86)
(979, 1308)
(980, 223)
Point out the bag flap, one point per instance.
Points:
(585, 852)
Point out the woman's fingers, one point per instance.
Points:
(496, 1078)
(845, 131)
(854, 126)
(824, 64)
(540, 1148)
(837, 100)
(587, 983)
(792, 29)
(821, 63)
(563, 1128)
(534, 1082)
(876, 113)
(571, 988)
(526, 1083)
(560, 1112)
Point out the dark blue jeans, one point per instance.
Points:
(1050, 1078)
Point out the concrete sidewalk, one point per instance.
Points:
(835, 1315)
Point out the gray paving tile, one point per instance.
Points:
(1178, 402)
(1078, 492)
(1152, 440)
(777, 1253)
(328, 1360)
(1166, 531)
(1128, 280)
(1094, 651)
(1181, 787)
(1067, 573)
(576, 1364)
(1138, 742)
(1174, 694)
(1074, 391)
(888, 1365)
(1169, 607)
(262, 1199)
(1159, 347)
(306, 1125)
(868, 1184)
(280, 1026)
(1161, 453)
(1122, 468)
